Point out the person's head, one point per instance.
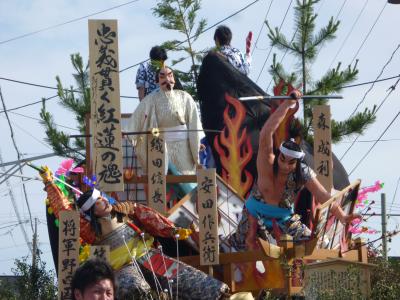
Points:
(288, 159)
(222, 36)
(165, 79)
(158, 54)
(93, 205)
(94, 280)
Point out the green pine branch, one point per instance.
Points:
(305, 47)
(78, 102)
(354, 125)
(181, 16)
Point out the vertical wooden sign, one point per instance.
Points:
(208, 216)
(322, 145)
(68, 252)
(100, 252)
(105, 105)
(156, 172)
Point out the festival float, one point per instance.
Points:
(169, 235)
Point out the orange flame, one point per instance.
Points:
(251, 278)
(234, 147)
(282, 133)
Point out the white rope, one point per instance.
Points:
(177, 266)
(166, 272)
(151, 266)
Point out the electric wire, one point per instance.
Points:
(392, 88)
(349, 33)
(372, 147)
(394, 196)
(340, 10)
(205, 30)
(369, 32)
(65, 23)
(31, 135)
(37, 119)
(14, 204)
(373, 84)
(369, 82)
(262, 26)
(29, 104)
(53, 87)
(18, 156)
(270, 49)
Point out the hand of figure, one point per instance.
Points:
(295, 95)
(349, 218)
(46, 174)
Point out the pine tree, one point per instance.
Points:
(181, 16)
(78, 102)
(305, 46)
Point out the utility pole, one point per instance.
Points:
(34, 246)
(384, 238)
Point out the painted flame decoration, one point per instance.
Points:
(234, 148)
(282, 133)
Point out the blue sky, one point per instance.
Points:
(40, 57)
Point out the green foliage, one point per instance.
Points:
(78, 102)
(181, 16)
(33, 282)
(384, 281)
(305, 46)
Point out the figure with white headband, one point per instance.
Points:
(281, 175)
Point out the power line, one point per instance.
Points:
(369, 32)
(37, 119)
(348, 34)
(29, 104)
(372, 147)
(14, 203)
(52, 87)
(270, 49)
(368, 82)
(205, 30)
(392, 88)
(340, 10)
(31, 135)
(394, 196)
(18, 155)
(373, 83)
(371, 141)
(29, 159)
(65, 23)
(262, 26)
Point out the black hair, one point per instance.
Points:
(91, 272)
(291, 145)
(223, 35)
(158, 53)
(90, 213)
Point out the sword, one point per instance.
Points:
(288, 97)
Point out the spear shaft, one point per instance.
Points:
(305, 97)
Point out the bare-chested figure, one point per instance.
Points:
(281, 175)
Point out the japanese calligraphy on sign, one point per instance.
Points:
(208, 216)
(156, 173)
(68, 252)
(105, 104)
(101, 252)
(322, 145)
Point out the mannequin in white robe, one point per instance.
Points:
(168, 109)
